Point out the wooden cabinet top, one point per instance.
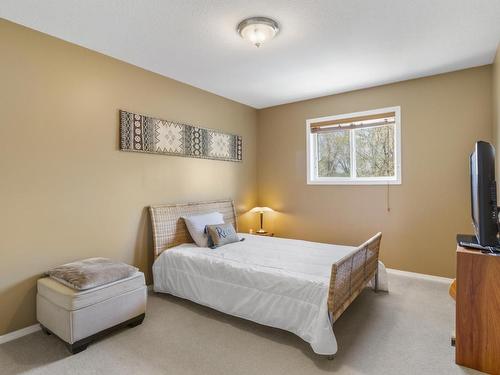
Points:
(463, 250)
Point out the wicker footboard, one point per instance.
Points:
(351, 274)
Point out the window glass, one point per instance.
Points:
(334, 155)
(375, 151)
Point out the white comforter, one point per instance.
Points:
(277, 282)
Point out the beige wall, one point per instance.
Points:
(442, 117)
(66, 192)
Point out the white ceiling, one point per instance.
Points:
(324, 47)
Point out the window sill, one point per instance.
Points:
(354, 182)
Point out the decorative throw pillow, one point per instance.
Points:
(196, 226)
(222, 234)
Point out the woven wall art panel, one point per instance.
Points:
(139, 133)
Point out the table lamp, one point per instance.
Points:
(261, 211)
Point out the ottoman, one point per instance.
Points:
(79, 317)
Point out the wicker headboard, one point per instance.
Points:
(170, 230)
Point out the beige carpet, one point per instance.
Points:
(404, 332)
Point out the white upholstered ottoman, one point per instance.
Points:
(79, 317)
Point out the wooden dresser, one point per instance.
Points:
(478, 311)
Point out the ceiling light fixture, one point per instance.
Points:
(257, 30)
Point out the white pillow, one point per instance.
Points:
(196, 226)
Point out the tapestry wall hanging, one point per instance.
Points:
(141, 133)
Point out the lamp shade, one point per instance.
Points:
(261, 209)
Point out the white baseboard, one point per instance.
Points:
(420, 276)
(19, 333)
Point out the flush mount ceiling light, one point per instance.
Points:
(258, 30)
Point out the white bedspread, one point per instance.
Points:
(277, 282)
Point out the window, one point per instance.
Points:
(355, 148)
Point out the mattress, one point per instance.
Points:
(277, 282)
(72, 299)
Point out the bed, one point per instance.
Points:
(299, 286)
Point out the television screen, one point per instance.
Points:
(483, 194)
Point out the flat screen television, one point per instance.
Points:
(484, 194)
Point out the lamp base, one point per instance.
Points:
(261, 231)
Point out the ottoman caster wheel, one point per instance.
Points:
(77, 347)
(136, 321)
(331, 357)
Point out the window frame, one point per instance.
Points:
(312, 159)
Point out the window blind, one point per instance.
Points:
(358, 122)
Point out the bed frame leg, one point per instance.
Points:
(375, 283)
